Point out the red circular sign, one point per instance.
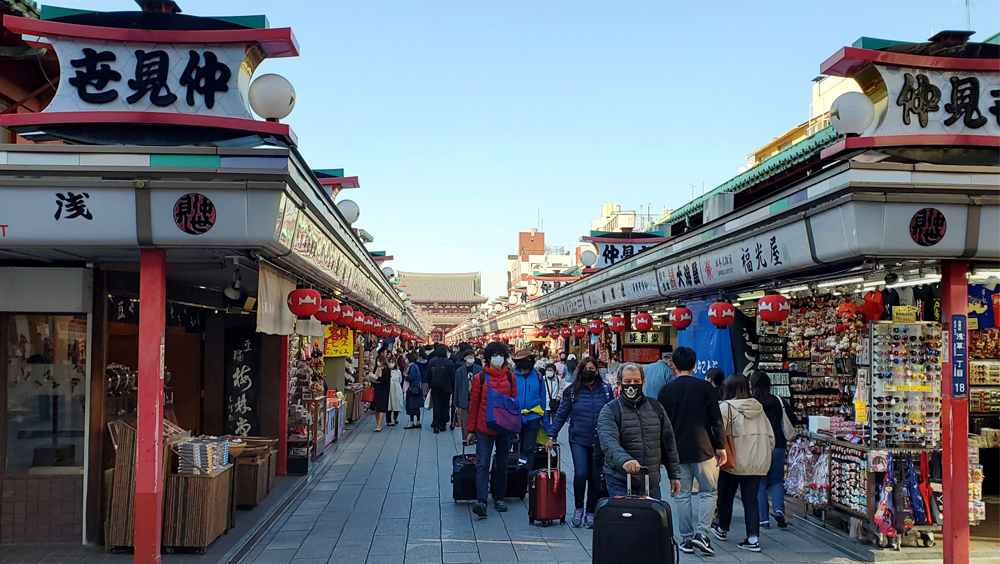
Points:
(194, 214)
(928, 226)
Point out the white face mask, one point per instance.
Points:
(496, 361)
(550, 373)
(392, 365)
(470, 361)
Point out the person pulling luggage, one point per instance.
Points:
(634, 431)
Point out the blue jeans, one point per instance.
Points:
(689, 519)
(586, 478)
(618, 487)
(773, 483)
(484, 453)
(529, 440)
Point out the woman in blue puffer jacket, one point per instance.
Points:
(581, 406)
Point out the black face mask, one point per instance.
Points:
(571, 364)
(588, 376)
(632, 393)
(524, 365)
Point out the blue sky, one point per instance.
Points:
(464, 118)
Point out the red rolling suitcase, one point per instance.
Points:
(638, 526)
(547, 494)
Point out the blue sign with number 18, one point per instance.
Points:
(959, 376)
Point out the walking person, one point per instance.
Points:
(532, 399)
(498, 377)
(743, 418)
(659, 374)
(716, 377)
(635, 432)
(582, 403)
(692, 405)
(554, 386)
(442, 379)
(467, 370)
(571, 369)
(383, 380)
(414, 391)
(396, 398)
(778, 414)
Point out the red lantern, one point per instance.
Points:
(359, 321)
(681, 317)
(643, 321)
(596, 326)
(346, 316)
(396, 331)
(303, 302)
(565, 332)
(617, 324)
(579, 331)
(376, 327)
(774, 308)
(329, 311)
(542, 332)
(721, 314)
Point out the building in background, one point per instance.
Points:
(29, 73)
(613, 219)
(534, 258)
(443, 301)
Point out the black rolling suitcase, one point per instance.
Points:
(463, 477)
(517, 475)
(638, 526)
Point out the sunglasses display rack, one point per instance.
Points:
(904, 407)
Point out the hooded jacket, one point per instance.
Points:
(582, 409)
(644, 435)
(753, 437)
(531, 397)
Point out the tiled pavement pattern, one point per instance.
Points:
(386, 499)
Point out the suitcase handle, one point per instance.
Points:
(643, 471)
(548, 458)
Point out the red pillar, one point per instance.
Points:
(955, 418)
(283, 410)
(149, 466)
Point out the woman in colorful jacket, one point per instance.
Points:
(581, 406)
(532, 398)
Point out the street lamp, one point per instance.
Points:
(851, 113)
(589, 258)
(272, 97)
(349, 210)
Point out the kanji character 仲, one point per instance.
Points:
(920, 100)
(205, 80)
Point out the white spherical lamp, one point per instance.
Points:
(388, 272)
(532, 289)
(272, 97)
(589, 258)
(512, 300)
(851, 113)
(349, 210)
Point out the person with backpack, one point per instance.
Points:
(442, 379)
(744, 420)
(780, 415)
(467, 370)
(499, 378)
(692, 405)
(635, 432)
(414, 392)
(532, 400)
(582, 403)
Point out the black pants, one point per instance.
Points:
(749, 487)
(442, 408)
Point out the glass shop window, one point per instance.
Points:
(46, 393)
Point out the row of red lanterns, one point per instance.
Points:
(306, 303)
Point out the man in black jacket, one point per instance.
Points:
(693, 405)
(442, 375)
(634, 432)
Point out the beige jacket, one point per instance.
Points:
(752, 435)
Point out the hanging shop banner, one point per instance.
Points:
(927, 102)
(712, 346)
(273, 287)
(761, 256)
(630, 290)
(338, 341)
(959, 375)
(743, 336)
(242, 382)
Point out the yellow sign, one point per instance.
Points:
(338, 341)
(645, 338)
(972, 324)
(904, 314)
(860, 411)
(908, 388)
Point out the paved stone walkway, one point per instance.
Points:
(386, 499)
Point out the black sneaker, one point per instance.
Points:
(703, 544)
(480, 510)
(687, 548)
(780, 518)
(719, 533)
(500, 506)
(751, 546)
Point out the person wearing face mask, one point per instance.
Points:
(582, 403)
(571, 369)
(467, 370)
(533, 400)
(635, 432)
(396, 399)
(500, 379)
(383, 380)
(414, 391)
(554, 386)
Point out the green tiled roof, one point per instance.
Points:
(773, 166)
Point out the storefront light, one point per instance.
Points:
(750, 296)
(801, 288)
(984, 273)
(841, 282)
(929, 279)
